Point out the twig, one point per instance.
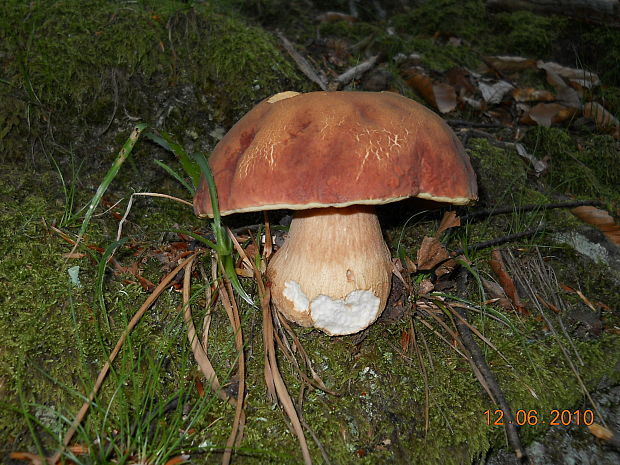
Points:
(530, 207)
(149, 194)
(493, 242)
(303, 64)
(479, 361)
(472, 124)
(356, 71)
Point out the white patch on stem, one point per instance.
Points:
(292, 291)
(345, 316)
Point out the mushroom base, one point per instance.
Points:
(334, 270)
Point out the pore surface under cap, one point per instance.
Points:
(337, 149)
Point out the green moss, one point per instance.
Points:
(503, 175)
(525, 33)
(465, 19)
(76, 64)
(582, 170)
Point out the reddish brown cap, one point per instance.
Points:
(320, 149)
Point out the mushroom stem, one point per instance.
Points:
(334, 270)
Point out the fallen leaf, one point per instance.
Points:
(529, 94)
(494, 93)
(442, 96)
(509, 64)
(602, 118)
(539, 166)
(505, 280)
(70, 255)
(582, 77)
(32, 458)
(430, 253)
(335, 16)
(411, 267)
(426, 286)
(178, 459)
(497, 294)
(600, 431)
(546, 114)
(405, 338)
(601, 220)
(445, 97)
(449, 220)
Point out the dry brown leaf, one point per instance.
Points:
(335, 16)
(405, 339)
(178, 459)
(602, 118)
(421, 83)
(529, 94)
(460, 79)
(426, 286)
(601, 220)
(546, 114)
(442, 96)
(600, 431)
(449, 220)
(411, 267)
(497, 294)
(508, 285)
(431, 253)
(445, 97)
(509, 64)
(582, 77)
(569, 97)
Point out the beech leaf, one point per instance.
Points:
(601, 220)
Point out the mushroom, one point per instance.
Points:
(333, 156)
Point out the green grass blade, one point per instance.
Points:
(167, 142)
(110, 175)
(223, 241)
(220, 234)
(176, 176)
(199, 238)
(101, 275)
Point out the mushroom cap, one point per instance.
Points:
(335, 149)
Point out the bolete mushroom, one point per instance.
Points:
(332, 156)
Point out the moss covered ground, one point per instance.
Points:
(75, 76)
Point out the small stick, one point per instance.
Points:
(529, 207)
(479, 361)
(472, 124)
(303, 64)
(494, 242)
(356, 71)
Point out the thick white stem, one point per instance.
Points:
(333, 271)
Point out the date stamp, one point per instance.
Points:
(533, 417)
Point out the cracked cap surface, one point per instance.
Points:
(320, 149)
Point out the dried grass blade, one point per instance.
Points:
(316, 380)
(427, 391)
(232, 310)
(273, 378)
(280, 387)
(474, 330)
(199, 353)
(106, 367)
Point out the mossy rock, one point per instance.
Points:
(83, 66)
